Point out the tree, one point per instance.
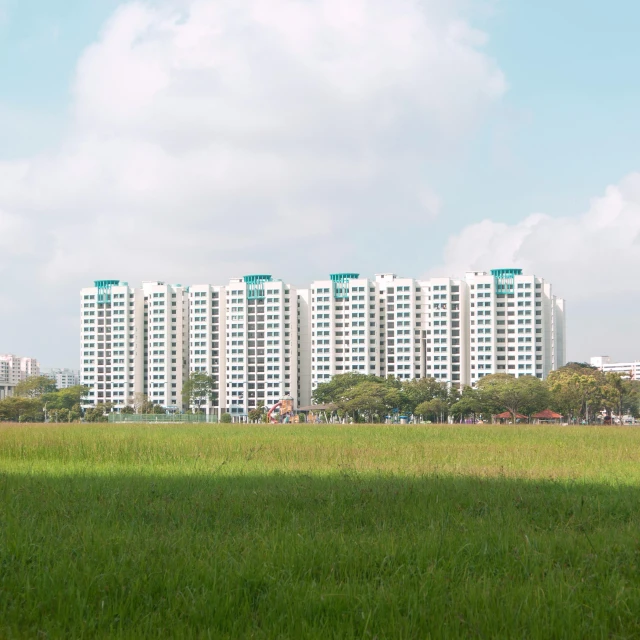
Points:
(436, 408)
(138, 401)
(469, 402)
(226, 418)
(620, 394)
(525, 394)
(59, 415)
(65, 398)
(199, 388)
(258, 414)
(366, 398)
(65, 415)
(422, 390)
(100, 413)
(577, 391)
(579, 366)
(370, 399)
(335, 390)
(631, 402)
(21, 409)
(127, 409)
(147, 407)
(34, 387)
(44, 402)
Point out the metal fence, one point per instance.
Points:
(162, 417)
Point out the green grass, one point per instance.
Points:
(215, 531)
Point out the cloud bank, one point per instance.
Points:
(587, 256)
(194, 122)
(211, 138)
(208, 138)
(592, 260)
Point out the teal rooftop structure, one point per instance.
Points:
(341, 284)
(104, 289)
(505, 280)
(255, 285)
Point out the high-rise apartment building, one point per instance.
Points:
(344, 326)
(133, 342)
(111, 345)
(261, 339)
(517, 325)
(165, 360)
(261, 343)
(64, 378)
(14, 369)
(389, 326)
(446, 329)
(207, 339)
(401, 310)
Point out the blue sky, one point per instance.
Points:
(570, 67)
(572, 100)
(542, 118)
(40, 42)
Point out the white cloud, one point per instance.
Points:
(592, 259)
(212, 137)
(18, 239)
(589, 256)
(288, 118)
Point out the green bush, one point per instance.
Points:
(225, 417)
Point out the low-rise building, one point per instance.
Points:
(630, 370)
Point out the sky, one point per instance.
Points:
(196, 140)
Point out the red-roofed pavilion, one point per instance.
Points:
(547, 416)
(506, 415)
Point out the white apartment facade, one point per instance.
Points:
(207, 339)
(108, 337)
(65, 378)
(6, 387)
(14, 369)
(516, 325)
(304, 347)
(261, 344)
(446, 329)
(132, 342)
(389, 326)
(165, 363)
(343, 327)
(401, 327)
(261, 338)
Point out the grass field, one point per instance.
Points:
(355, 531)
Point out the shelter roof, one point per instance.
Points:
(547, 414)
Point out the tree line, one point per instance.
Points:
(579, 392)
(37, 399)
